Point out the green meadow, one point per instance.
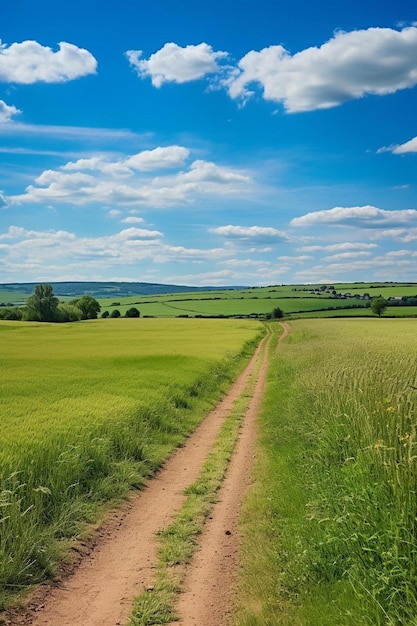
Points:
(330, 522)
(293, 300)
(90, 410)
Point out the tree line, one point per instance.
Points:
(44, 306)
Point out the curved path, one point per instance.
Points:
(100, 591)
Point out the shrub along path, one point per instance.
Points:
(121, 564)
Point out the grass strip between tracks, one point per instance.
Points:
(178, 542)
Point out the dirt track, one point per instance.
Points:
(121, 565)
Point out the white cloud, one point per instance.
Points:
(132, 220)
(347, 256)
(96, 180)
(345, 246)
(360, 216)
(158, 158)
(7, 111)
(30, 62)
(350, 65)
(409, 146)
(31, 251)
(98, 164)
(172, 63)
(73, 133)
(401, 253)
(208, 173)
(294, 259)
(386, 267)
(398, 234)
(239, 263)
(147, 160)
(253, 233)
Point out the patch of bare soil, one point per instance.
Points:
(118, 563)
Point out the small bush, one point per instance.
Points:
(132, 312)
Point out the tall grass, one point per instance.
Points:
(91, 409)
(333, 513)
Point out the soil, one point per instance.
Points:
(118, 561)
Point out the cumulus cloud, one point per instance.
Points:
(96, 180)
(294, 259)
(32, 251)
(30, 62)
(336, 247)
(409, 146)
(172, 63)
(158, 158)
(132, 220)
(347, 256)
(350, 65)
(250, 233)
(147, 160)
(7, 111)
(387, 267)
(360, 216)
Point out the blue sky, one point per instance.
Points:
(221, 143)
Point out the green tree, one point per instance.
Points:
(105, 314)
(115, 313)
(88, 306)
(68, 313)
(277, 313)
(12, 313)
(132, 312)
(378, 305)
(42, 305)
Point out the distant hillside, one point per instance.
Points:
(107, 289)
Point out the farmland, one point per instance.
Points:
(294, 300)
(330, 523)
(89, 410)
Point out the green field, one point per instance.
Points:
(91, 409)
(330, 523)
(239, 305)
(292, 299)
(311, 300)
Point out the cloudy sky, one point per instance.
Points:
(208, 143)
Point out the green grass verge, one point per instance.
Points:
(330, 522)
(178, 542)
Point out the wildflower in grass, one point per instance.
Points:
(379, 444)
(404, 437)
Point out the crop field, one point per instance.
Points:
(390, 311)
(291, 299)
(91, 409)
(229, 306)
(305, 300)
(330, 525)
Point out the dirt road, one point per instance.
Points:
(211, 577)
(100, 591)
